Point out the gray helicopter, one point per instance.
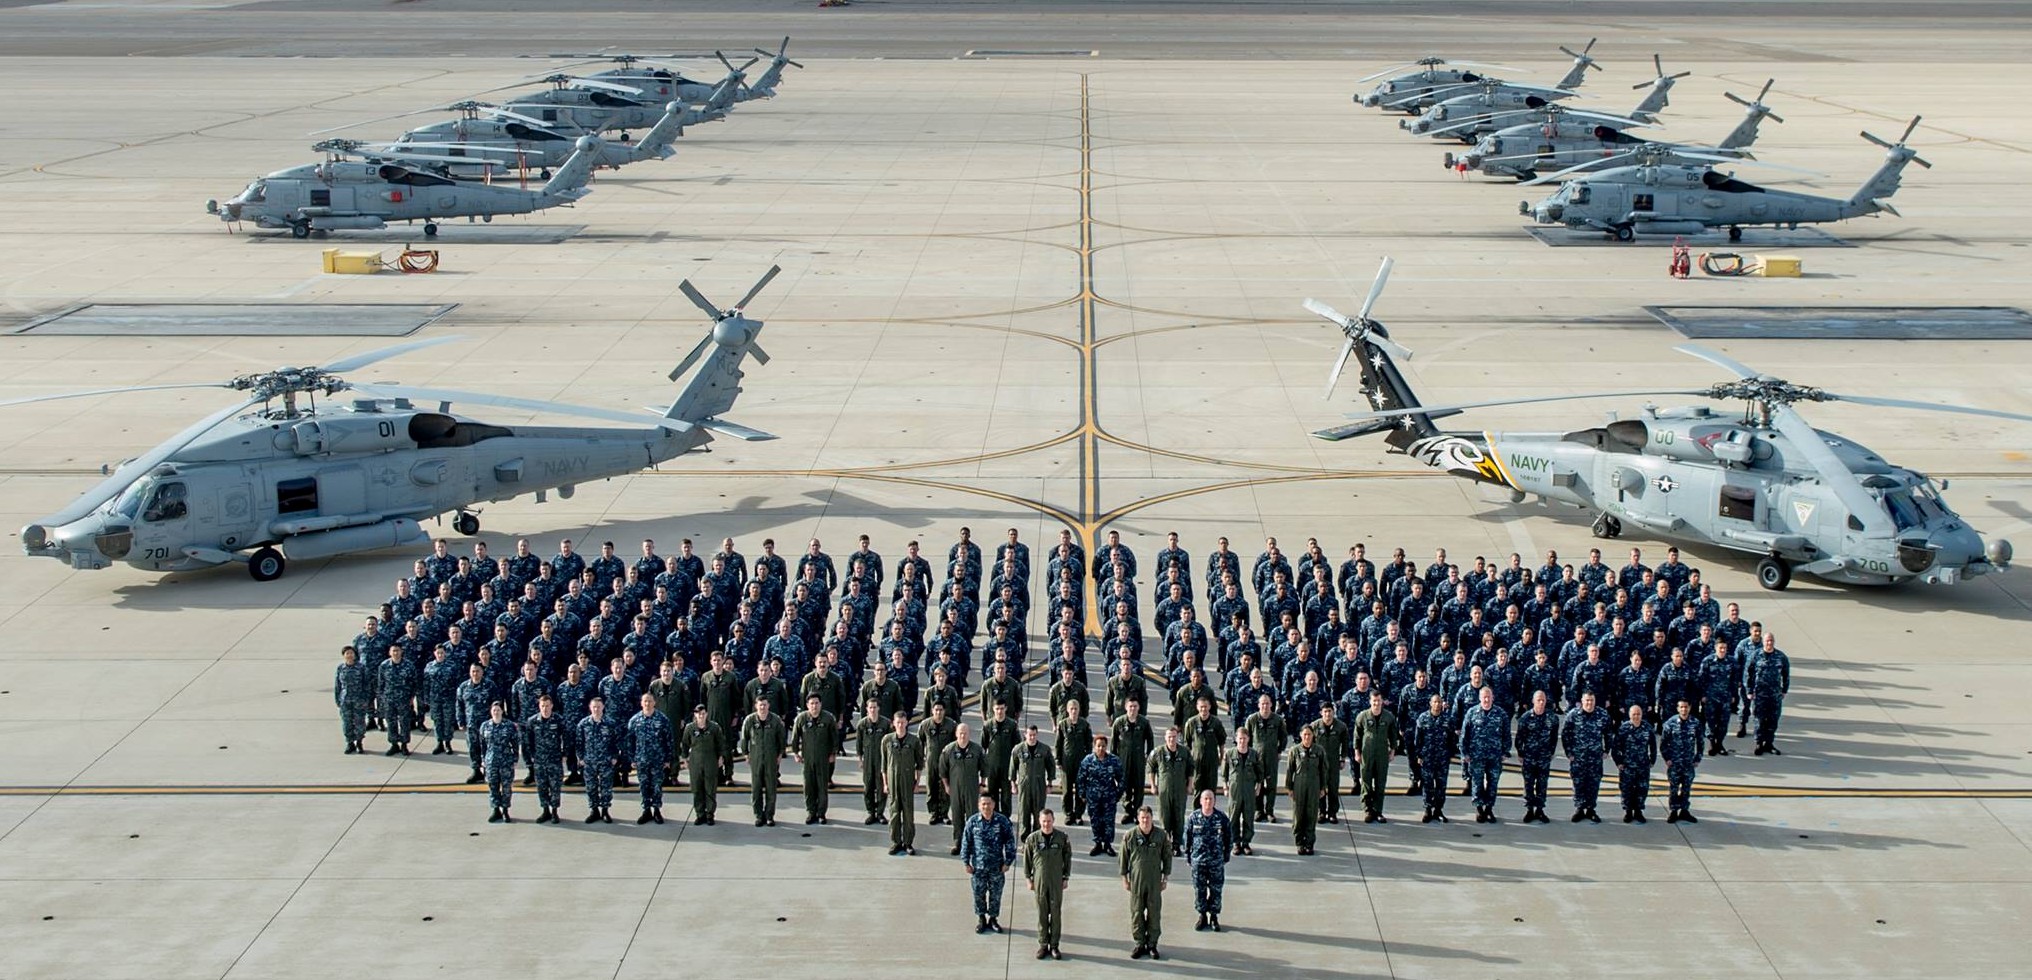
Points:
(641, 72)
(1574, 142)
(1414, 91)
(1764, 482)
(280, 475)
(385, 186)
(601, 105)
(1658, 197)
(1468, 116)
(520, 144)
(514, 139)
(1482, 104)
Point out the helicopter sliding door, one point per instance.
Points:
(342, 490)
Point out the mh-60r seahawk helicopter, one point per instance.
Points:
(1658, 196)
(343, 193)
(316, 481)
(1765, 482)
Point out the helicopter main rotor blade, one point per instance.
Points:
(759, 284)
(1386, 71)
(526, 404)
(1718, 359)
(1576, 168)
(358, 361)
(109, 391)
(135, 468)
(699, 300)
(1463, 406)
(1926, 406)
(501, 113)
(376, 119)
(1333, 377)
(1833, 472)
(621, 90)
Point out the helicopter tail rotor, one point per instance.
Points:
(732, 339)
(1360, 330)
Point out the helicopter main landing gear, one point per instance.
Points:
(430, 229)
(467, 523)
(300, 228)
(1774, 573)
(266, 565)
(1735, 234)
(1607, 527)
(1623, 233)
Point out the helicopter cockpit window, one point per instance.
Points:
(255, 193)
(296, 496)
(1904, 512)
(166, 503)
(1717, 181)
(1580, 193)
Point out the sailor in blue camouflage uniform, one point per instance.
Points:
(353, 693)
(649, 741)
(1720, 685)
(1434, 748)
(1100, 778)
(1536, 738)
(599, 743)
(500, 740)
(1209, 843)
(1485, 741)
(1634, 748)
(1768, 680)
(987, 850)
(1680, 742)
(398, 695)
(441, 678)
(547, 736)
(1584, 734)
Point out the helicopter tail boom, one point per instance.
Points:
(655, 144)
(1875, 194)
(569, 182)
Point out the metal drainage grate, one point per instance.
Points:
(1846, 322)
(1714, 241)
(238, 320)
(1017, 53)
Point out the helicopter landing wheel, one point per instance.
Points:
(1774, 573)
(1607, 527)
(1736, 235)
(266, 565)
(1624, 233)
(544, 173)
(467, 523)
(430, 229)
(1447, 161)
(299, 229)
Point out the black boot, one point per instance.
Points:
(1215, 922)
(495, 816)
(475, 777)
(593, 816)
(1686, 815)
(1593, 816)
(980, 925)
(656, 815)
(606, 814)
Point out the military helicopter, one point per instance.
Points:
(598, 105)
(1414, 91)
(1765, 482)
(1658, 197)
(526, 147)
(1411, 91)
(1468, 117)
(292, 477)
(664, 81)
(1573, 142)
(343, 193)
(1489, 100)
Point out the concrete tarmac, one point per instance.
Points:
(1038, 292)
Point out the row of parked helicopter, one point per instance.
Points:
(446, 169)
(1615, 180)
